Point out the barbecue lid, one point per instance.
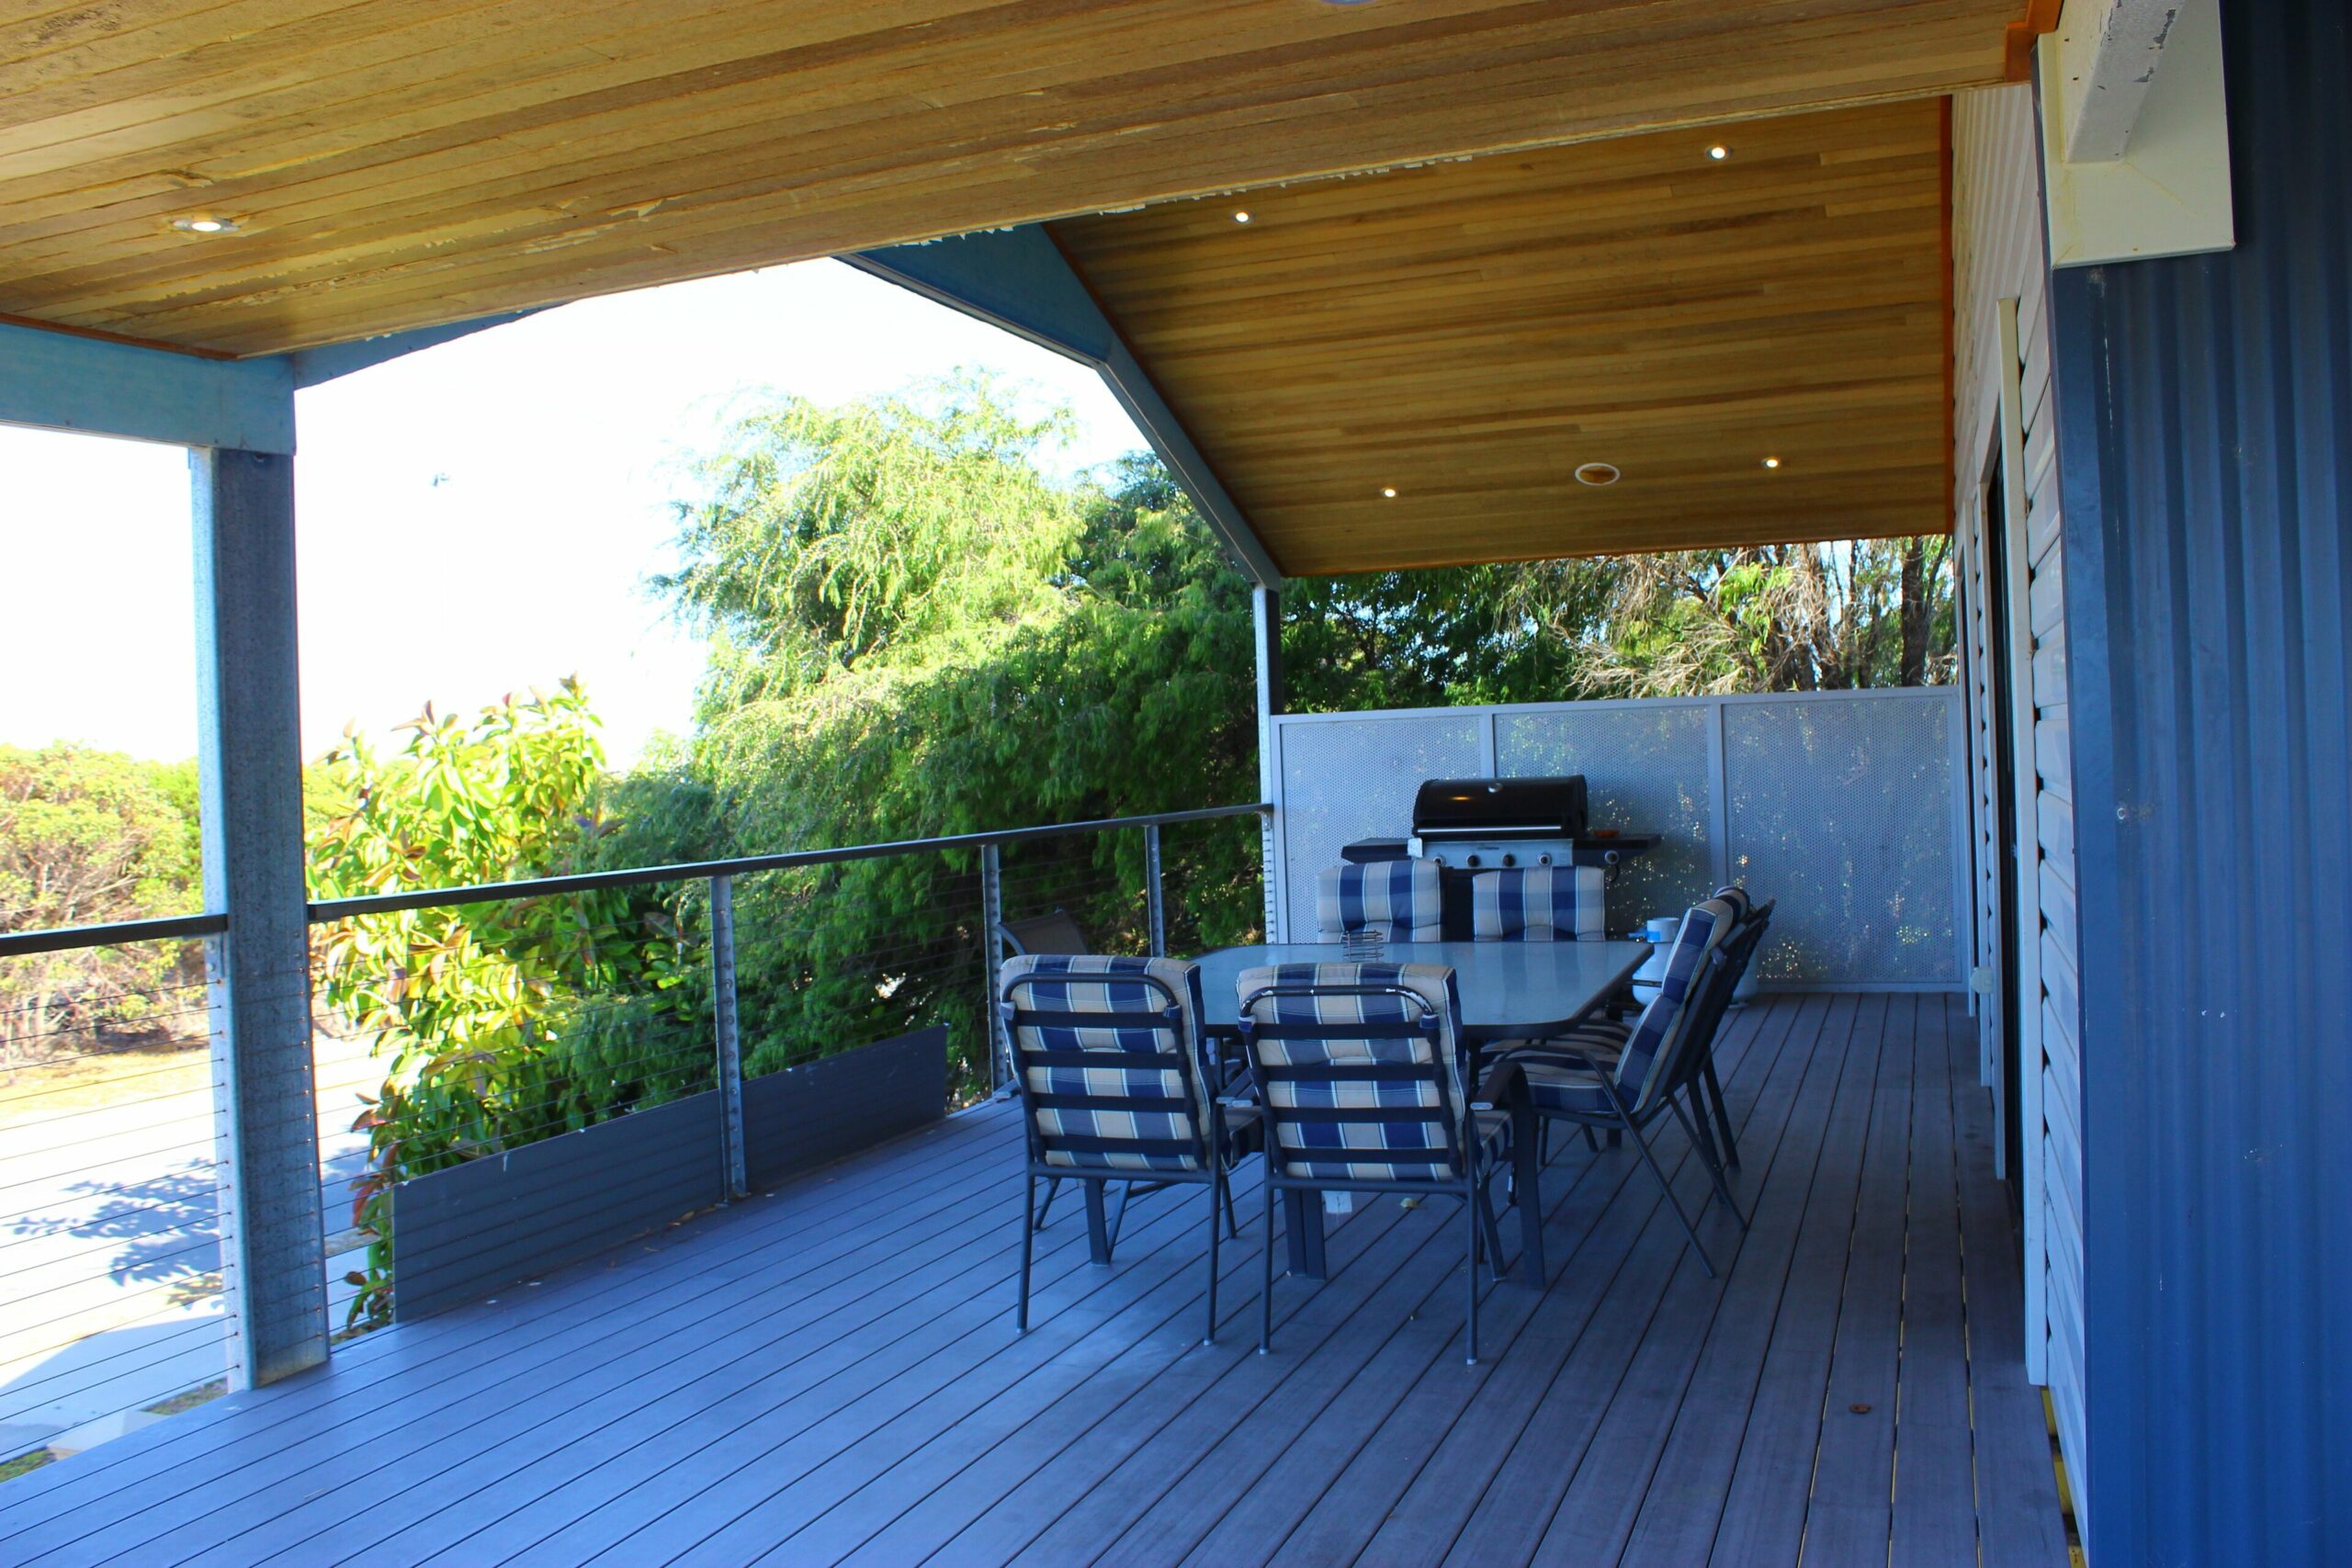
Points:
(1554, 805)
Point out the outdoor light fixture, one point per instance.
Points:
(205, 225)
(1771, 462)
(1241, 217)
(1596, 474)
(1388, 491)
(1719, 151)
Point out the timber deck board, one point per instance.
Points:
(829, 1372)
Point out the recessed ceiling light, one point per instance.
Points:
(1719, 151)
(205, 225)
(1771, 462)
(1597, 473)
(1241, 217)
(1388, 491)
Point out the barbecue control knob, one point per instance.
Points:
(1511, 859)
(1474, 859)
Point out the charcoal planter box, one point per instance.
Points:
(464, 1233)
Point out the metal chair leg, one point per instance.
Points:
(1722, 1113)
(1494, 1230)
(1216, 1192)
(1118, 1220)
(1667, 1188)
(1266, 1276)
(1028, 1243)
(1098, 1224)
(1053, 1186)
(1697, 1107)
(1591, 1142)
(1693, 1126)
(1470, 1215)
(1232, 1225)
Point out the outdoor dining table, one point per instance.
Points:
(1510, 990)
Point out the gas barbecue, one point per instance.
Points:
(1472, 824)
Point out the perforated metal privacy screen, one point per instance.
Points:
(1840, 805)
(1647, 767)
(1844, 811)
(1354, 778)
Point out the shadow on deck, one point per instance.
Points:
(830, 1374)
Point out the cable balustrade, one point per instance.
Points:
(111, 1284)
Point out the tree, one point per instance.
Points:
(915, 632)
(1773, 618)
(89, 837)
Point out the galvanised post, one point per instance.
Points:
(993, 961)
(265, 1136)
(1266, 616)
(730, 1053)
(1155, 904)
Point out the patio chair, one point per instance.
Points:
(1402, 900)
(1539, 903)
(1361, 1078)
(1731, 960)
(1603, 1040)
(1054, 932)
(1115, 1085)
(1585, 1087)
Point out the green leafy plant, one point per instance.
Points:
(496, 1021)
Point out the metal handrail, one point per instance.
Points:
(114, 934)
(65, 939)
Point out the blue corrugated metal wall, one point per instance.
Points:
(2206, 444)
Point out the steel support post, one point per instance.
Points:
(730, 1052)
(992, 964)
(1155, 902)
(273, 1243)
(1266, 605)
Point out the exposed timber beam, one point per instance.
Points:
(1019, 280)
(2109, 50)
(62, 380)
(2157, 183)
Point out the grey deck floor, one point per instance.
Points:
(830, 1374)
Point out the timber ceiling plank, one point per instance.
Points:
(1468, 333)
(396, 166)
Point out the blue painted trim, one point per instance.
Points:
(63, 381)
(1019, 280)
(312, 365)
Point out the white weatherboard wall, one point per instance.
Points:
(1844, 806)
(1999, 264)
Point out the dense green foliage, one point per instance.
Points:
(916, 633)
(502, 1022)
(89, 837)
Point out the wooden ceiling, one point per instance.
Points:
(407, 163)
(1469, 333)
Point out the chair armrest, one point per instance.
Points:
(1507, 1080)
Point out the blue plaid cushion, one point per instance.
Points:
(1556, 1085)
(1539, 903)
(1595, 1040)
(1083, 983)
(1398, 898)
(1732, 893)
(1649, 1046)
(1350, 1151)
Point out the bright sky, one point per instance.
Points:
(474, 519)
